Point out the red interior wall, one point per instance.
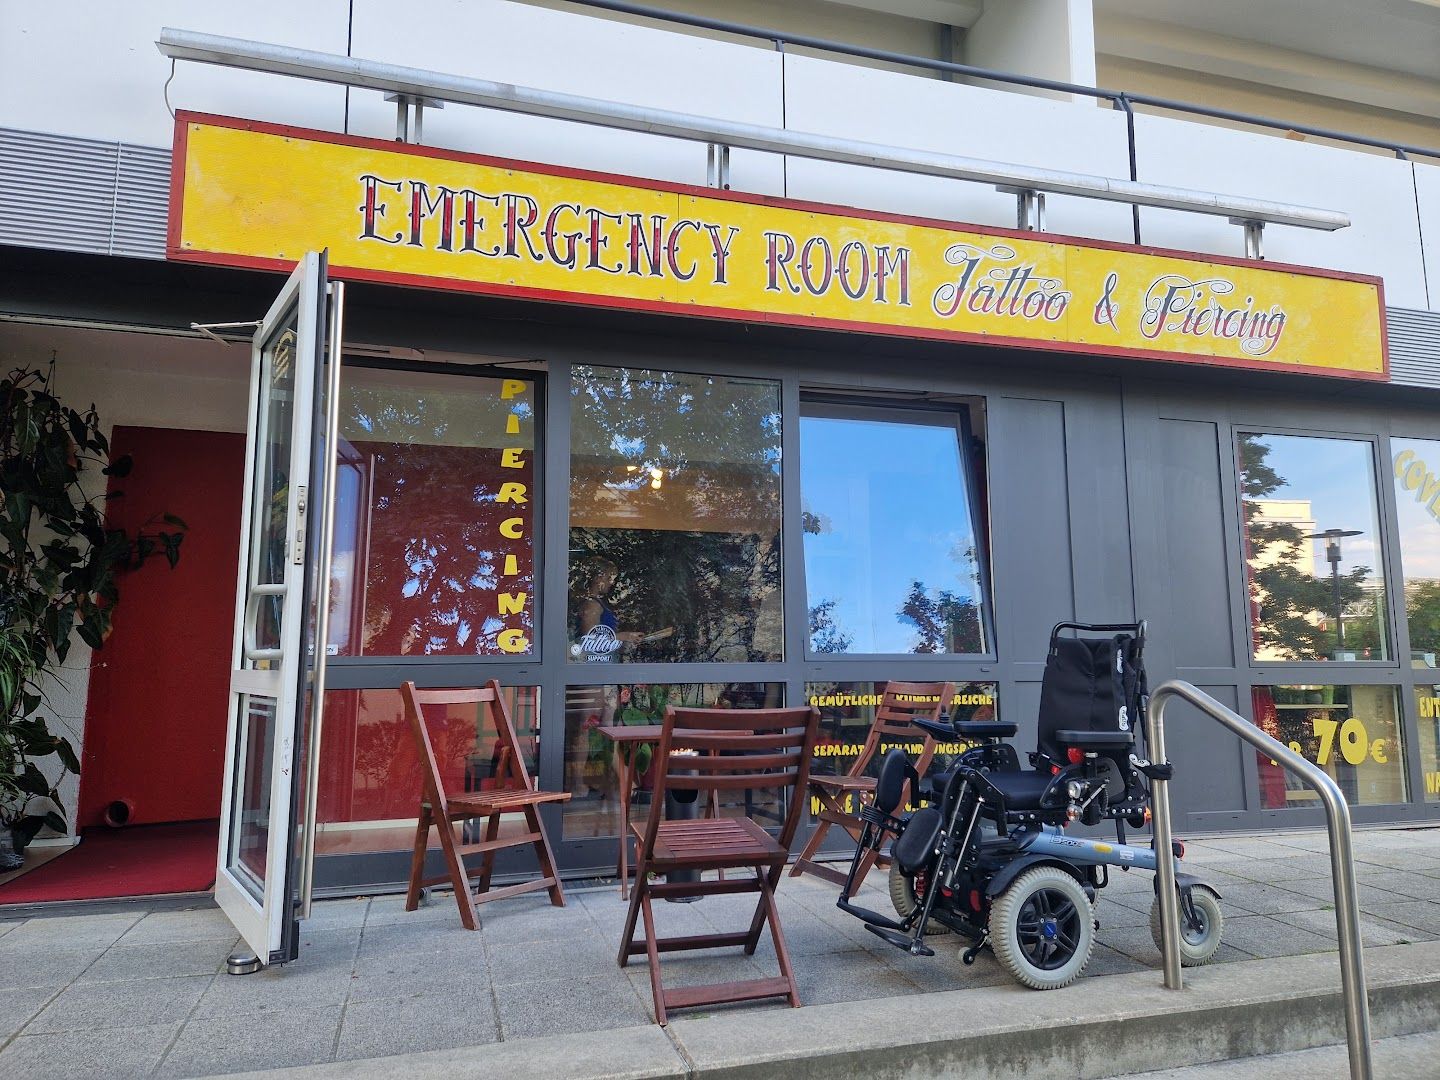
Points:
(155, 719)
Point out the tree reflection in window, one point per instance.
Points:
(421, 547)
(1301, 607)
(675, 482)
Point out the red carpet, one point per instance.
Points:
(142, 860)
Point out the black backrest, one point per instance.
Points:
(1090, 684)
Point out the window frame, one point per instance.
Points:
(403, 666)
(929, 414)
(1311, 671)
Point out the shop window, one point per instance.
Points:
(1416, 467)
(1415, 464)
(435, 506)
(674, 517)
(592, 762)
(1312, 549)
(370, 774)
(894, 561)
(847, 709)
(1352, 732)
(1427, 706)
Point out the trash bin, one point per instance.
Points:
(682, 805)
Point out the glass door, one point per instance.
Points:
(272, 725)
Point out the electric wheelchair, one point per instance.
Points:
(983, 850)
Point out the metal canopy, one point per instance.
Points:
(420, 84)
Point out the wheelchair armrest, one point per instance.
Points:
(934, 727)
(985, 729)
(1096, 740)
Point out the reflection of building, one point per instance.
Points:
(1092, 476)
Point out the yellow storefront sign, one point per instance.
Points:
(251, 194)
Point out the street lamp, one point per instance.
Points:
(1332, 554)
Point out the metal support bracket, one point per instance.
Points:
(1029, 208)
(405, 131)
(1254, 236)
(717, 166)
(208, 328)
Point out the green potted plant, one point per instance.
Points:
(59, 570)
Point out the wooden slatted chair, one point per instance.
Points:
(713, 750)
(899, 705)
(514, 792)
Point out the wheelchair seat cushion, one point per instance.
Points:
(1022, 790)
(915, 845)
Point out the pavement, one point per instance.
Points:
(143, 992)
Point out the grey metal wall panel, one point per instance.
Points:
(1414, 347)
(1196, 572)
(72, 194)
(1030, 522)
(1099, 508)
(1209, 765)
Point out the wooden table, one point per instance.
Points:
(623, 735)
(627, 735)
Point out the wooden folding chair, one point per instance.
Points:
(514, 792)
(899, 705)
(750, 750)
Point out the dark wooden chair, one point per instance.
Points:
(900, 704)
(513, 792)
(714, 750)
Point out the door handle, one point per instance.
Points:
(252, 610)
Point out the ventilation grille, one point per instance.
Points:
(72, 194)
(1414, 347)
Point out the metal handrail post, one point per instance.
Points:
(1342, 858)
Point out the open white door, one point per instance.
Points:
(267, 806)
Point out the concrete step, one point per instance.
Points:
(1116, 1025)
(1405, 1057)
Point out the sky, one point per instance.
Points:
(1337, 477)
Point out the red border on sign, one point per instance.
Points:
(249, 262)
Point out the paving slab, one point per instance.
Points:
(275, 991)
(405, 974)
(72, 931)
(403, 1025)
(160, 961)
(42, 966)
(82, 1055)
(197, 924)
(18, 1006)
(226, 1043)
(550, 1006)
(585, 952)
(85, 1006)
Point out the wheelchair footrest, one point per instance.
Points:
(901, 941)
(867, 916)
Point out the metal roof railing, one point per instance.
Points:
(1120, 99)
(420, 87)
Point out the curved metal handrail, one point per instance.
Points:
(1342, 858)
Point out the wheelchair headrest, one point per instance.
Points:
(890, 787)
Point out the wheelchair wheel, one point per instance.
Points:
(907, 894)
(1196, 946)
(1042, 928)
